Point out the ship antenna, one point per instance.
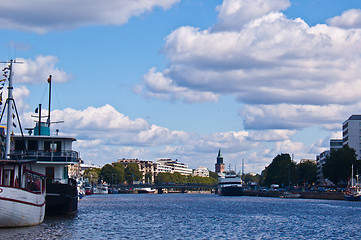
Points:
(49, 81)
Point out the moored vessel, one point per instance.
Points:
(353, 193)
(230, 185)
(53, 155)
(22, 190)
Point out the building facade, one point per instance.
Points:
(219, 167)
(201, 172)
(147, 168)
(172, 166)
(335, 144)
(351, 132)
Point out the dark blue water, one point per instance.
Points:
(199, 216)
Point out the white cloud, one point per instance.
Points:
(348, 19)
(42, 16)
(288, 75)
(38, 70)
(234, 14)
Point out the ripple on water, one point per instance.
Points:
(199, 216)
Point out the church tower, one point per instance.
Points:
(219, 165)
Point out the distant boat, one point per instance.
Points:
(22, 191)
(353, 193)
(290, 195)
(145, 190)
(230, 185)
(100, 189)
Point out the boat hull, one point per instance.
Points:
(352, 197)
(61, 199)
(20, 208)
(230, 191)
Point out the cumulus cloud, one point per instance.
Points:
(234, 14)
(33, 71)
(42, 16)
(287, 74)
(160, 86)
(348, 19)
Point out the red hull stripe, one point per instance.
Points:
(23, 202)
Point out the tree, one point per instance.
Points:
(281, 171)
(307, 173)
(252, 178)
(337, 166)
(120, 169)
(108, 174)
(92, 174)
(132, 173)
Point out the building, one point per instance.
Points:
(219, 165)
(321, 159)
(147, 168)
(172, 166)
(351, 132)
(201, 172)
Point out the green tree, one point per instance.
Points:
(108, 174)
(120, 169)
(281, 171)
(307, 173)
(92, 174)
(132, 173)
(252, 178)
(338, 164)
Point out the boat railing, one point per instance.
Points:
(47, 156)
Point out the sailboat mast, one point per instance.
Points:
(49, 81)
(9, 113)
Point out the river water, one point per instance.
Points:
(199, 216)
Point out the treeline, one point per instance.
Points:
(285, 172)
(337, 168)
(118, 174)
(114, 174)
(181, 179)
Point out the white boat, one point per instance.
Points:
(100, 189)
(22, 191)
(230, 185)
(145, 190)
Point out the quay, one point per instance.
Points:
(306, 194)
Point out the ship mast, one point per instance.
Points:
(9, 113)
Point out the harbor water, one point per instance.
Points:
(199, 216)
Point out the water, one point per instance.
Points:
(199, 216)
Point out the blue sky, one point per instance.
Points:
(180, 78)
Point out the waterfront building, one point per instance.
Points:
(201, 172)
(147, 168)
(321, 159)
(219, 165)
(172, 166)
(351, 132)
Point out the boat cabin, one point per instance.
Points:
(53, 154)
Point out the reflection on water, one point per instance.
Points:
(198, 216)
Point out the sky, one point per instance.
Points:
(181, 79)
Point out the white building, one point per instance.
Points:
(351, 131)
(201, 172)
(172, 166)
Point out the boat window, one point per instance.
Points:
(49, 173)
(19, 145)
(33, 145)
(52, 146)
